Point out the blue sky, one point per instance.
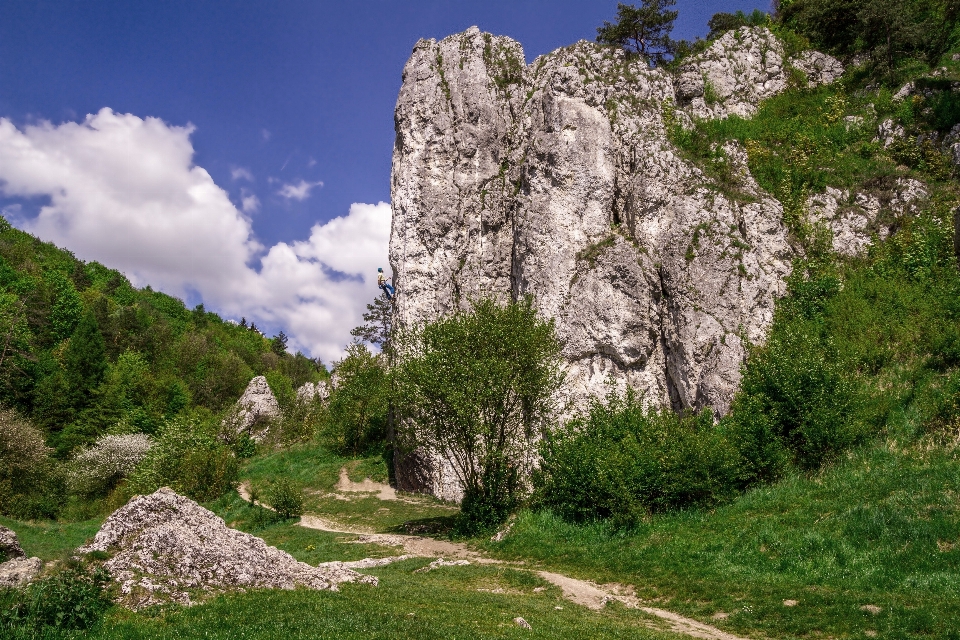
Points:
(291, 102)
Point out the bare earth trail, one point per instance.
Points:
(581, 592)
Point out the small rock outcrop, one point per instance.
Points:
(9, 545)
(167, 548)
(18, 569)
(310, 392)
(255, 409)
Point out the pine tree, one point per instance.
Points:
(85, 360)
(644, 30)
(378, 319)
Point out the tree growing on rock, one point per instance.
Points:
(474, 388)
(378, 321)
(644, 30)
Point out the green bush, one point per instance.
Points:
(188, 457)
(73, 599)
(31, 484)
(286, 497)
(357, 416)
(625, 460)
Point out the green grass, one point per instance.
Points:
(880, 528)
(444, 603)
(51, 540)
(318, 471)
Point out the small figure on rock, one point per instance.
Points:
(385, 286)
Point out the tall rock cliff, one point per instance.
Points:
(557, 179)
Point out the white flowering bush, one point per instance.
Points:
(98, 469)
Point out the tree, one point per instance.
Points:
(474, 388)
(279, 344)
(85, 360)
(357, 419)
(378, 322)
(644, 30)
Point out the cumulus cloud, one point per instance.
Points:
(249, 202)
(240, 173)
(299, 191)
(123, 190)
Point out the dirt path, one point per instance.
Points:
(581, 592)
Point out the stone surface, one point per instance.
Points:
(557, 180)
(308, 392)
(9, 545)
(740, 69)
(167, 548)
(19, 571)
(255, 409)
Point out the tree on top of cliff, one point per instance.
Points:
(644, 30)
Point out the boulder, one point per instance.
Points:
(19, 571)
(167, 548)
(9, 545)
(255, 408)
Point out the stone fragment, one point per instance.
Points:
(523, 624)
(19, 571)
(9, 545)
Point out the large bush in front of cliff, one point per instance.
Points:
(625, 460)
(474, 388)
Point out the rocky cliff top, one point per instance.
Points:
(558, 180)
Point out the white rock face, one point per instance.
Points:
(18, 569)
(255, 408)
(558, 180)
(308, 392)
(166, 546)
(740, 69)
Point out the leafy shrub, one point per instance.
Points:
(74, 599)
(474, 388)
(97, 470)
(30, 484)
(286, 497)
(625, 460)
(189, 458)
(357, 416)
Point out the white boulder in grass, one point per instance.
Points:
(167, 548)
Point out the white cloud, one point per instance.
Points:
(124, 191)
(299, 191)
(249, 202)
(241, 173)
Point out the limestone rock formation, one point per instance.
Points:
(255, 408)
(167, 548)
(558, 180)
(308, 392)
(18, 569)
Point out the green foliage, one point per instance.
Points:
(30, 484)
(644, 30)
(286, 497)
(73, 599)
(625, 461)
(478, 385)
(378, 322)
(722, 22)
(886, 30)
(359, 404)
(188, 457)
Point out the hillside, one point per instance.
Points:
(747, 260)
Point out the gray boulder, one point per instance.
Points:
(309, 392)
(255, 409)
(167, 548)
(18, 569)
